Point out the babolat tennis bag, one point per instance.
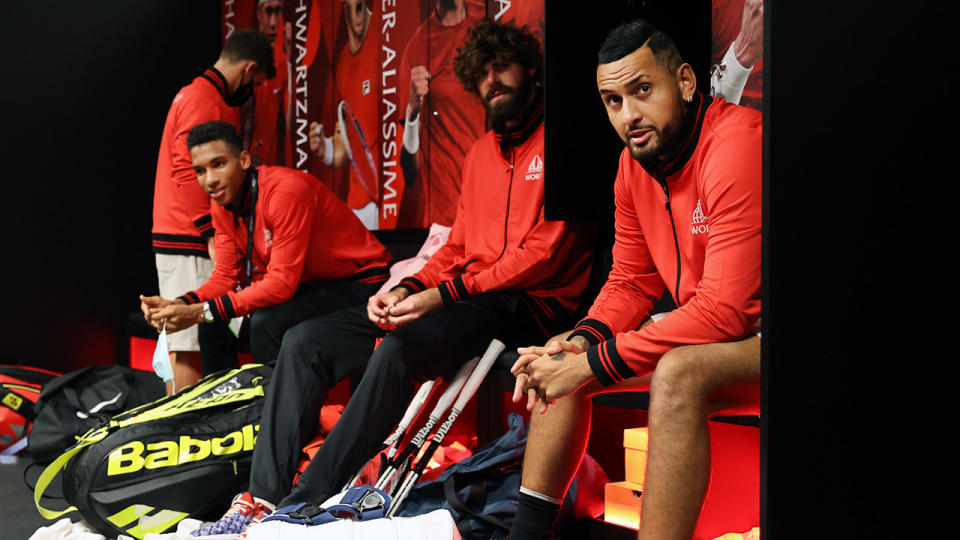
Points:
(181, 456)
(20, 386)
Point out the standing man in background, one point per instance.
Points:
(182, 229)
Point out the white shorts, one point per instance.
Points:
(657, 316)
(178, 274)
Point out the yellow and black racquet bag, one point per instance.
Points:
(181, 456)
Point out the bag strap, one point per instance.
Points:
(477, 492)
(19, 404)
(54, 469)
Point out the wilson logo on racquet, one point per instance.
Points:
(535, 169)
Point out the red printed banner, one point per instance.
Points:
(366, 100)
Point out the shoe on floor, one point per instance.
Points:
(261, 511)
(235, 520)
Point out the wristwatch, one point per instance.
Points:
(207, 314)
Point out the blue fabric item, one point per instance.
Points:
(487, 483)
(231, 524)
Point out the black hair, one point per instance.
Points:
(216, 130)
(488, 40)
(630, 36)
(250, 44)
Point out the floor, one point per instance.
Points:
(19, 517)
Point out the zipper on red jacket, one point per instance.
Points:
(676, 241)
(506, 219)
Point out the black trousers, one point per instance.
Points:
(264, 329)
(319, 352)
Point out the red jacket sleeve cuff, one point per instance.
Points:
(412, 284)
(607, 364)
(592, 330)
(205, 226)
(453, 290)
(222, 308)
(189, 298)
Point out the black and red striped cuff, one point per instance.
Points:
(592, 330)
(189, 298)
(411, 284)
(222, 308)
(607, 364)
(453, 291)
(375, 276)
(205, 226)
(178, 244)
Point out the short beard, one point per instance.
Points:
(513, 106)
(667, 140)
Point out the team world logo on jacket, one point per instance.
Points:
(535, 169)
(698, 222)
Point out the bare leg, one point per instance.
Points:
(566, 426)
(688, 385)
(186, 369)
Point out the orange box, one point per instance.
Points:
(621, 504)
(635, 454)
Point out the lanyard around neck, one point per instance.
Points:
(251, 218)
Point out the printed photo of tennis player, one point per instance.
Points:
(349, 143)
(737, 71)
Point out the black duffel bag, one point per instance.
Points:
(74, 403)
(182, 456)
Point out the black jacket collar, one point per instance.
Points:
(217, 79)
(508, 137)
(689, 136)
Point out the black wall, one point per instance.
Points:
(86, 90)
(582, 148)
(859, 329)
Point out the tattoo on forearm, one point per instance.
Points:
(581, 342)
(559, 356)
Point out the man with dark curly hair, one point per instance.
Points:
(504, 273)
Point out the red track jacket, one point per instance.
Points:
(302, 234)
(181, 209)
(707, 203)
(500, 240)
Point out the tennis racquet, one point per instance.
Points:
(358, 151)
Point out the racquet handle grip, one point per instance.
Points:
(455, 385)
(476, 378)
(418, 401)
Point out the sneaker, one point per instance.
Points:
(236, 518)
(260, 511)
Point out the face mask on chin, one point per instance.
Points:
(240, 95)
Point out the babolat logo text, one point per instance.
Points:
(698, 222)
(136, 455)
